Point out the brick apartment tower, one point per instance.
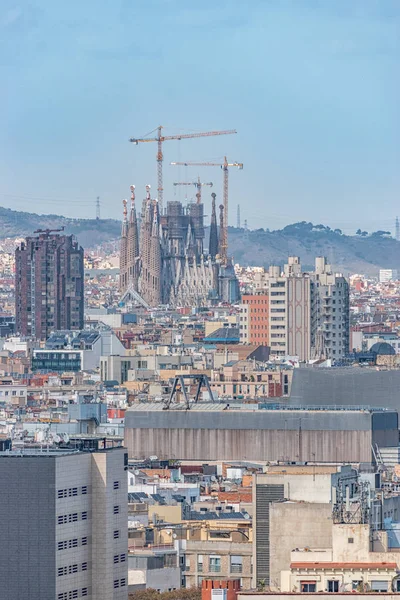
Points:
(49, 284)
(258, 318)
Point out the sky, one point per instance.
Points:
(311, 86)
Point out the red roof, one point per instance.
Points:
(343, 565)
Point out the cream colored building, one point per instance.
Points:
(359, 560)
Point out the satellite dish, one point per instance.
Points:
(168, 531)
(152, 458)
(174, 536)
(136, 472)
(246, 516)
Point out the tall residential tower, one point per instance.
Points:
(49, 282)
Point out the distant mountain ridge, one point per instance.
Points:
(361, 253)
(89, 232)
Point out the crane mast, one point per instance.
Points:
(160, 138)
(224, 212)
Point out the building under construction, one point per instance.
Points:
(164, 259)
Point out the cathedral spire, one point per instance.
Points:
(213, 245)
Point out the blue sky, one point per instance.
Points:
(312, 86)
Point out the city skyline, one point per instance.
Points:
(310, 87)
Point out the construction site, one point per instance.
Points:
(165, 258)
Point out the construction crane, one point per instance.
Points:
(225, 167)
(164, 138)
(198, 185)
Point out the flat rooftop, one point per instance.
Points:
(247, 407)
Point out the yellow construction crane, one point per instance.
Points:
(225, 167)
(163, 138)
(198, 185)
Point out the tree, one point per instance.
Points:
(358, 232)
(192, 593)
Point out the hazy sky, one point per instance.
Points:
(312, 87)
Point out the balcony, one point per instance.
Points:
(236, 568)
(215, 569)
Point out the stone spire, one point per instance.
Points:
(213, 245)
(133, 244)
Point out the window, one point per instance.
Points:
(333, 586)
(72, 594)
(379, 586)
(200, 563)
(122, 558)
(123, 582)
(72, 569)
(350, 540)
(84, 592)
(84, 516)
(62, 596)
(84, 541)
(84, 566)
(116, 485)
(308, 586)
(236, 564)
(61, 493)
(116, 534)
(61, 545)
(61, 519)
(116, 510)
(116, 583)
(61, 571)
(73, 543)
(73, 492)
(215, 564)
(84, 490)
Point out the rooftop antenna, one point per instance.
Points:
(97, 208)
(397, 229)
(238, 217)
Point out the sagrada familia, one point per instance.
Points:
(163, 260)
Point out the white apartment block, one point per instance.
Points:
(244, 324)
(63, 523)
(386, 275)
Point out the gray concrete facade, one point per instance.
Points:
(211, 433)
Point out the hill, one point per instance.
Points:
(89, 232)
(361, 253)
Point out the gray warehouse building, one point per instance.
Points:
(216, 431)
(345, 386)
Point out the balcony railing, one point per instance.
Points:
(236, 568)
(215, 568)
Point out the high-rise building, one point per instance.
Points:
(304, 314)
(256, 319)
(49, 281)
(63, 523)
(331, 312)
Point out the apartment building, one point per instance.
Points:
(255, 322)
(63, 521)
(49, 282)
(304, 314)
(219, 548)
(331, 318)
